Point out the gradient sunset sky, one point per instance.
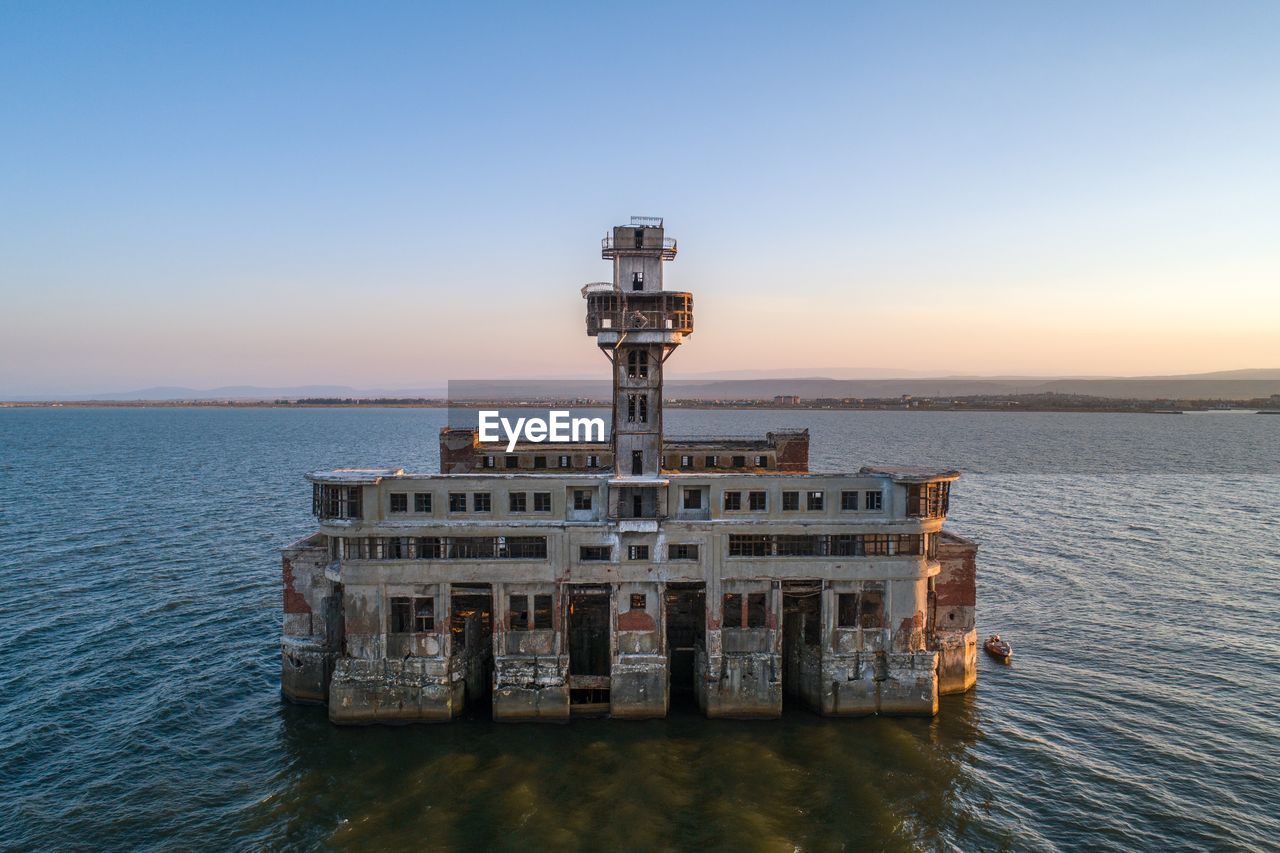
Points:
(389, 195)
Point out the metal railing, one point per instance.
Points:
(442, 547)
(662, 311)
(608, 246)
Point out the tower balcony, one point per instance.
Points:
(610, 247)
(638, 499)
(661, 311)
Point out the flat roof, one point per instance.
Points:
(355, 476)
(911, 473)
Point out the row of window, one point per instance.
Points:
(637, 412)
(417, 614)
(604, 553)
(535, 547)
(438, 547)
(860, 609)
(521, 616)
(836, 545)
(335, 501)
(757, 501)
(927, 500)
(686, 461)
(853, 610)
(744, 611)
(870, 501)
(480, 502)
(562, 461)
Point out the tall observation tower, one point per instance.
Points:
(637, 325)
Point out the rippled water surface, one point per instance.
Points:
(1133, 560)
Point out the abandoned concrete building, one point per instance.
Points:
(626, 576)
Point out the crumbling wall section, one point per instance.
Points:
(638, 687)
(409, 690)
(311, 630)
(458, 450)
(743, 673)
(879, 682)
(744, 685)
(364, 622)
(639, 677)
(792, 449)
(532, 687)
(906, 610)
(955, 614)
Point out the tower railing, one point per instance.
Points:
(608, 248)
(664, 311)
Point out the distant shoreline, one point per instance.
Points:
(1028, 403)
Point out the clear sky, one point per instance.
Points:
(386, 195)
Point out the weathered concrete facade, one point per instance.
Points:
(619, 578)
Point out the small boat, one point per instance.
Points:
(998, 648)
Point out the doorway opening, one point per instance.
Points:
(801, 638)
(686, 633)
(471, 627)
(590, 654)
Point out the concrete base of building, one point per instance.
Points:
(743, 686)
(893, 684)
(638, 688)
(911, 690)
(393, 691)
(530, 689)
(546, 704)
(733, 686)
(305, 668)
(957, 661)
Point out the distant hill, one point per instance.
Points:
(1152, 388)
(815, 373)
(1249, 373)
(1138, 389)
(895, 373)
(241, 392)
(1219, 385)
